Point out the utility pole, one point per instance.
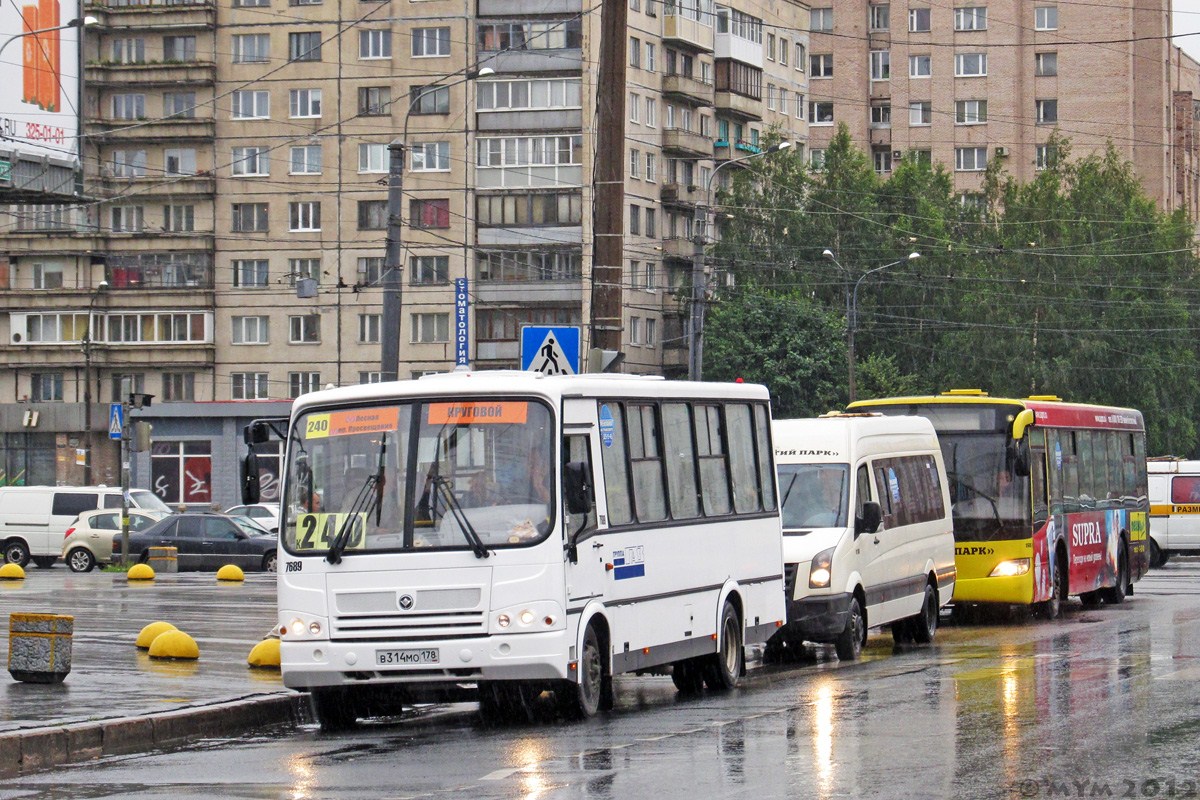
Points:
(389, 358)
(608, 182)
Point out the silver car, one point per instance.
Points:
(89, 539)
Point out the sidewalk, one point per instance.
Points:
(119, 700)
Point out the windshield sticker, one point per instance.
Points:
(464, 413)
(317, 531)
(348, 423)
(893, 485)
(606, 426)
(629, 562)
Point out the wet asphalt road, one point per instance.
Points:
(1102, 703)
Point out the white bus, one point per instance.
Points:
(497, 535)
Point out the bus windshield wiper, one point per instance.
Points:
(369, 498)
(442, 486)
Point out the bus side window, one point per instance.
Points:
(576, 448)
(862, 493)
(1037, 470)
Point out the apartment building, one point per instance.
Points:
(966, 83)
(230, 254)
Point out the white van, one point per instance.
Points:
(34, 519)
(867, 534)
(1174, 486)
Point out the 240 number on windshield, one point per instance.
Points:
(318, 531)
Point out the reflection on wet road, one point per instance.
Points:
(1102, 703)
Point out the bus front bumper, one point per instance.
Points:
(817, 619)
(527, 656)
(1016, 589)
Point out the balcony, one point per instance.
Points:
(152, 74)
(678, 248)
(678, 141)
(524, 292)
(170, 186)
(518, 9)
(158, 15)
(687, 32)
(881, 137)
(681, 194)
(175, 129)
(507, 61)
(688, 89)
(739, 105)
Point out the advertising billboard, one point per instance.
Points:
(39, 79)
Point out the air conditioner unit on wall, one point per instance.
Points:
(1001, 151)
(897, 154)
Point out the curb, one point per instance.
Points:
(31, 750)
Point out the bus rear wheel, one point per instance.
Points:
(723, 669)
(924, 625)
(688, 676)
(1116, 594)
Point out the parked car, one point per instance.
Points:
(206, 541)
(265, 514)
(89, 539)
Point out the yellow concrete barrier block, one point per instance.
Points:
(12, 572)
(265, 654)
(140, 572)
(231, 572)
(149, 633)
(174, 644)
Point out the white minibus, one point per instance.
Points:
(867, 534)
(498, 535)
(1174, 486)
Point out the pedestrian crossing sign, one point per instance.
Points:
(116, 420)
(550, 350)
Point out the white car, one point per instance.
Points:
(90, 537)
(265, 514)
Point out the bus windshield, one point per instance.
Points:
(989, 501)
(463, 474)
(814, 495)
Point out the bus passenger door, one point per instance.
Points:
(581, 537)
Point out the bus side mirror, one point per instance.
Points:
(872, 516)
(577, 487)
(250, 487)
(257, 432)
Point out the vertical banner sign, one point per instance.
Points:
(462, 357)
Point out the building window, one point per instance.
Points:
(251, 48)
(374, 44)
(1045, 64)
(878, 17)
(370, 270)
(548, 35)
(46, 387)
(970, 112)
(920, 66)
(248, 217)
(533, 209)
(651, 168)
(1045, 156)
(129, 106)
(822, 65)
(881, 65)
(635, 220)
(635, 52)
(820, 112)
(179, 218)
(368, 328)
(429, 100)
(373, 158)
(651, 222)
(251, 330)
(304, 46)
(125, 384)
(374, 101)
(635, 163)
(430, 328)
(918, 20)
(372, 215)
(305, 160)
(428, 42)
(251, 160)
(651, 57)
(820, 20)
(883, 160)
(651, 112)
(304, 329)
(251, 105)
(248, 386)
(304, 216)
(1045, 18)
(431, 157)
(179, 104)
(528, 93)
(178, 387)
(801, 56)
(970, 65)
(1047, 112)
(881, 115)
(302, 383)
(128, 164)
(177, 162)
(922, 157)
(47, 276)
(179, 48)
(250, 272)
(127, 219)
(973, 18)
(301, 268)
(429, 213)
(634, 107)
(304, 103)
(365, 378)
(181, 472)
(970, 159)
(816, 159)
(635, 331)
(920, 113)
(429, 269)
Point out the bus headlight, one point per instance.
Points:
(1010, 568)
(535, 617)
(821, 571)
(298, 627)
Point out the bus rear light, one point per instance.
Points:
(1010, 568)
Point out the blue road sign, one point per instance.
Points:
(116, 420)
(552, 350)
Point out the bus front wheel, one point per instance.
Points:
(335, 709)
(594, 690)
(849, 643)
(1116, 594)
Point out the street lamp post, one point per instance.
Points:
(78, 22)
(699, 222)
(389, 356)
(88, 339)
(852, 311)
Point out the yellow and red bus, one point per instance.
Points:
(1048, 497)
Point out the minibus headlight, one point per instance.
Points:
(1010, 568)
(821, 571)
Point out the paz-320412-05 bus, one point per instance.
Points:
(498, 535)
(1048, 498)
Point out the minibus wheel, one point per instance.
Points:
(16, 552)
(1158, 558)
(924, 625)
(849, 643)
